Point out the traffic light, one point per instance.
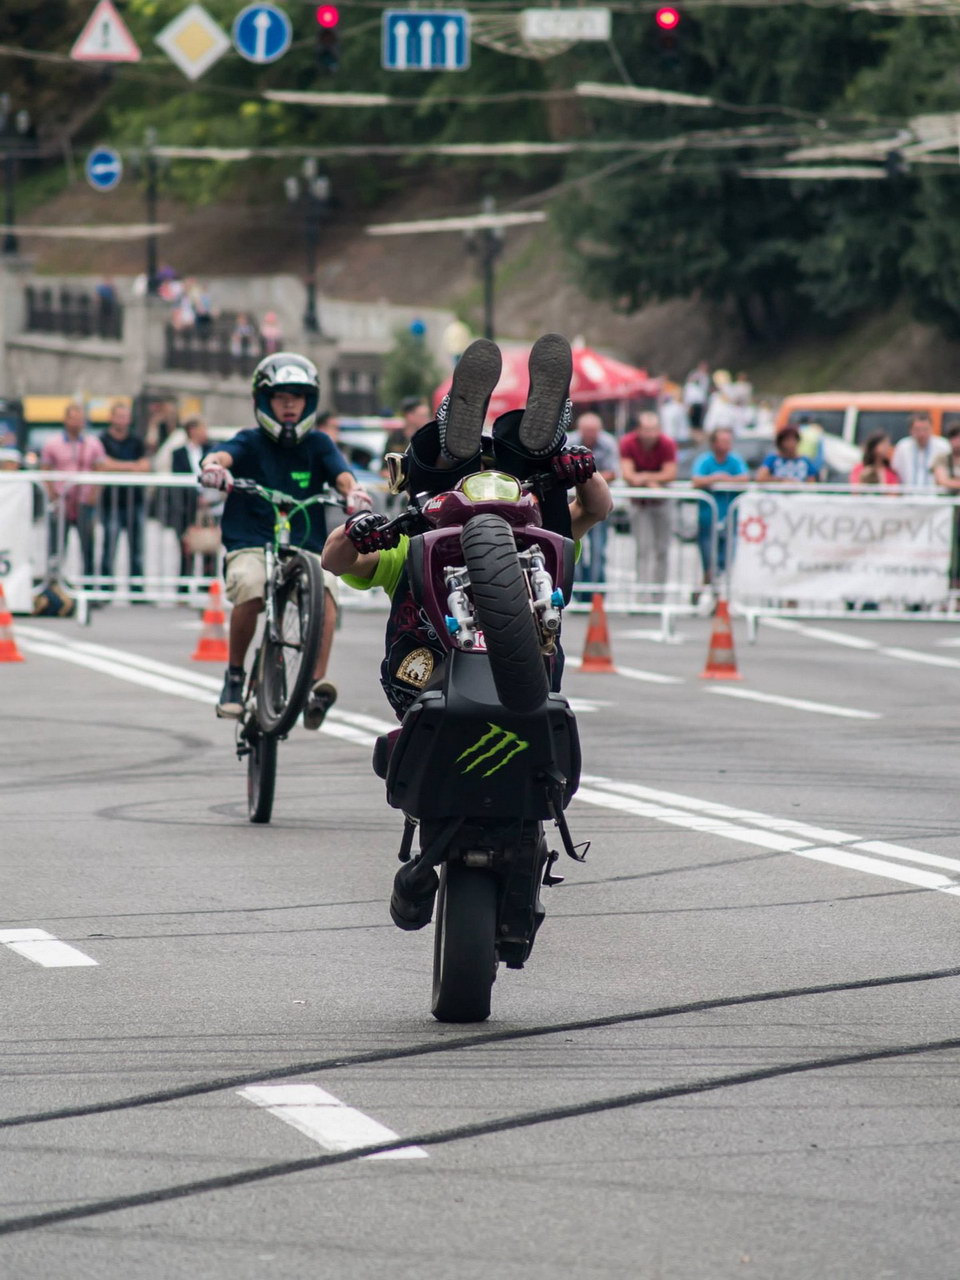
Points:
(328, 39)
(668, 23)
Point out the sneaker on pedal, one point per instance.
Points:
(230, 706)
(548, 412)
(462, 411)
(321, 698)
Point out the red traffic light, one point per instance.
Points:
(328, 15)
(667, 19)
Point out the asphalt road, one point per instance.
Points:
(735, 1051)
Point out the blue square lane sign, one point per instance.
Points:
(426, 40)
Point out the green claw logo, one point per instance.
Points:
(499, 743)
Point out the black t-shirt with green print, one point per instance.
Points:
(301, 471)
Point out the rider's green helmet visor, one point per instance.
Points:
(491, 486)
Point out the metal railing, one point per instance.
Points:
(73, 313)
(215, 350)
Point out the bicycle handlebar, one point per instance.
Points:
(284, 501)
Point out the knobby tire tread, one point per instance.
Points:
(502, 603)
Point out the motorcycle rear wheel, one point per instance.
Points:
(464, 944)
(501, 600)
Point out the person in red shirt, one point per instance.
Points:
(649, 461)
(72, 506)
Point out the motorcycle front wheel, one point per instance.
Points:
(501, 600)
(464, 944)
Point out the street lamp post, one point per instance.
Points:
(487, 244)
(150, 174)
(314, 194)
(14, 127)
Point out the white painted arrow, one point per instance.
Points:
(426, 44)
(450, 31)
(401, 32)
(262, 23)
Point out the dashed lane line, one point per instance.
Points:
(44, 949)
(633, 673)
(860, 642)
(797, 704)
(842, 849)
(327, 1120)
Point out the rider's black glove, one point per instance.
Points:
(367, 531)
(574, 464)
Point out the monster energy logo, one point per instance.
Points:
(502, 746)
(302, 478)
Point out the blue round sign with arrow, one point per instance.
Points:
(262, 33)
(103, 168)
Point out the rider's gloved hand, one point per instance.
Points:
(358, 500)
(213, 476)
(574, 464)
(366, 530)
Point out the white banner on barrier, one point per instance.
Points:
(16, 517)
(809, 547)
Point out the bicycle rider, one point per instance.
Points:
(525, 442)
(282, 452)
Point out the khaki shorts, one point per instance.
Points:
(246, 575)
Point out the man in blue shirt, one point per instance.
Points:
(283, 452)
(715, 467)
(787, 465)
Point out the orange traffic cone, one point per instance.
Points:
(8, 646)
(721, 660)
(212, 645)
(596, 652)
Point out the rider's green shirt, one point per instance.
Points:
(388, 570)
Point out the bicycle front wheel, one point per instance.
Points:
(287, 658)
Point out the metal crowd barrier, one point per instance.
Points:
(653, 566)
(808, 538)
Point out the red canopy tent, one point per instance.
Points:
(595, 377)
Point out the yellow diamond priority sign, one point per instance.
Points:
(194, 41)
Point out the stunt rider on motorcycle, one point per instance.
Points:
(525, 443)
(285, 453)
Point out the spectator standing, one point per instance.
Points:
(916, 455)
(188, 508)
(242, 336)
(719, 465)
(876, 465)
(696, 391)
(74, 505)
(123, 504)
(271, 334)
(589, 432)
(416, 414)
(329, 422)
(946, 472)
(649, 461)
(673, 416)
(787, 465)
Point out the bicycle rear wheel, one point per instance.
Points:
(287, 661)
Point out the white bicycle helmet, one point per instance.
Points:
(286, 371)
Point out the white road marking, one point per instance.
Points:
(797, 704)
(43, 948)
(633, 673)
(586, 706)
(164, 677)
(858, 642)
(708, 817)
(841, 848)
(327, 1120)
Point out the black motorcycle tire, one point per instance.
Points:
(261, 776)
(285, 681)
(501, 600)
(464, 944)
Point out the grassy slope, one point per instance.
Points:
(254, 233)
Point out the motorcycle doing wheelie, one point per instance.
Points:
(486, 754)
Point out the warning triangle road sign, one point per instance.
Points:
(105, 38)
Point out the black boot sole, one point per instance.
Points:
(551, 368)
(474, 379)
